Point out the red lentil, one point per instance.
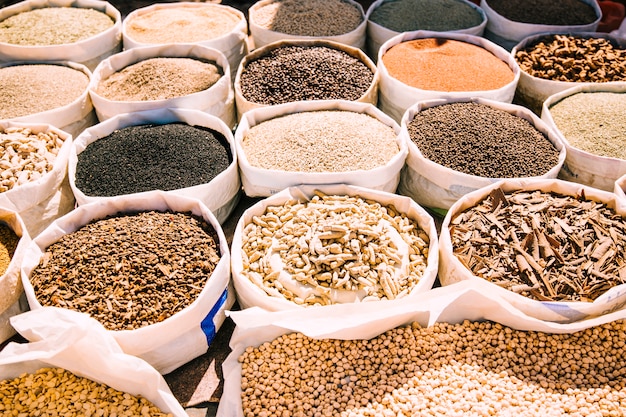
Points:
(446, 65)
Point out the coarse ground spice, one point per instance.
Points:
(129, 270)
(309, 18)
(439, 64)
(546, 12)
(151, 157)
(593, 122)
(477, 139)
(573, 58)
(293, 73)
(8, 244)
(181, 24)
(53, 26)
(34, 88)
(466, 369)
(320, 141)
(56, 391)
(159, 79)
(435, 15)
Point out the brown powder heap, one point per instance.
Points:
(159, 79)
(446, 65)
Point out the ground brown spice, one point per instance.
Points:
(8, 243)
(446, 65)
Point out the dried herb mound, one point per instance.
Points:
(129, 270)
(543, 245)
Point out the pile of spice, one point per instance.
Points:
(34, 88)
(573, 58)
(334, 249)
(56, 391)
(478, 139)
(593, 122)
(26, 156)
(159, 79)
(320, 141)
(309, 18)
(469, 368)
(439, 64)
(181, 24)
(8, 244)
(293, 73)
(129, 270)
(542, 245)
(546, 12)
(53, 26)
(151, 157)
(435, 15)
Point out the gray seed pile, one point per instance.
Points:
(309, 18)
(480, 140)
(294, 73)
(129, 270)
(470, 369)
(436, 15)
(320, 141)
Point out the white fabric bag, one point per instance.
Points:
(452, 304)
(433, 185)
(260, 182)
(77, 343)
(179, 338)
(260, 36)
(451, 270)
(88, 52)
(581, 166)
(11, 289)
(250, 295)
(395, 97)
(233, 44)
(377, 34)
(220, 195)
(217, 100)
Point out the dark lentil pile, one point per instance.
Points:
(437, 15)
(480, 140)
(545, 12)
(129, 270)
(151, 157)
(294, 73)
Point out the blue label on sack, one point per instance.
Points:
(207, 325)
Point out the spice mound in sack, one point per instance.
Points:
(159, 79)
(435, 15)
(593, 122)
(26, 156)
(34, 88)
(181, 24)
(53, 26)
(546, 12)
(8, 244)
(480, 140)
(151, 157)
(320, 141)
(129, 270)
(573, 58)
(468, 369)
(309, 18)
(334, 249)
(439, 64)
(295, 73)
(56, 391)
(542, 245)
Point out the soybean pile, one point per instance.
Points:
(470, 369)
(294, 73)
(151, 157)
(477, 139)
